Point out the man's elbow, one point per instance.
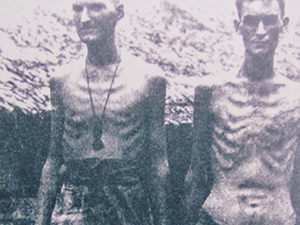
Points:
(51, 168)
(163, 169)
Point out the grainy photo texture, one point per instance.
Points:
(167, 112)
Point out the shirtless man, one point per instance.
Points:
(107, 129)
(246, 129)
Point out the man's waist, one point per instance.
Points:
(250, 204)
(114, 148)
(252, 188)
(95, 171)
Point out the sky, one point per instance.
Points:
(13, 11)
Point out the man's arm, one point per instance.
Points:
(295, 183)
(200, 177)
(50, 178)
(157, 148)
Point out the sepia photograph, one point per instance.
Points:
(163, 112)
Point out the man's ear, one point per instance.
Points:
(120, 11)
(237, 24)
(285, 23)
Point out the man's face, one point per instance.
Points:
(260, 25)
(95, 20)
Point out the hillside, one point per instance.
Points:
(186, 41)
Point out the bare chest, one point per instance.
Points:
(248, 125)
(123, 104)
(113, 97)
(237, 109)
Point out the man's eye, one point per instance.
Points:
(77, 8)
(270, 20)
(96, 7)
(251, 21)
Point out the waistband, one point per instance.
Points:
(94, 171)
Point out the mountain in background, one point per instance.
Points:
(186, 41)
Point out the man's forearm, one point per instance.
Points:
(50, 183)
(156, 188)
(50, 179)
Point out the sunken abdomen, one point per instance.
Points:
(123, 136)
(253, 146)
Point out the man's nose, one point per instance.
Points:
(260, 31)
(85, 16)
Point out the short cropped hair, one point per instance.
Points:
(116, 2)
(239, 5)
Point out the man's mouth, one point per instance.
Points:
(87, 31)
(86, 26)
(260, 44)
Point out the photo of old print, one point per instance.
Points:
(164, 112)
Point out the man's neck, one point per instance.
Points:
(258, 68)
(102, 54)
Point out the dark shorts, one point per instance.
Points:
(205, 218)
(108, 192)
(93, 172)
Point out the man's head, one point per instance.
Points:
(95, 20)
(239, 5)
(260, 23)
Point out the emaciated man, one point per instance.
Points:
(107, 129)
(246, 129)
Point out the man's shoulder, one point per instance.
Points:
(211, 82)
(136, 74)
(290, 88)
(289, 83)
(68, 71)
(137, 68)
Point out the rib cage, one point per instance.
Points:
(247, 123)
